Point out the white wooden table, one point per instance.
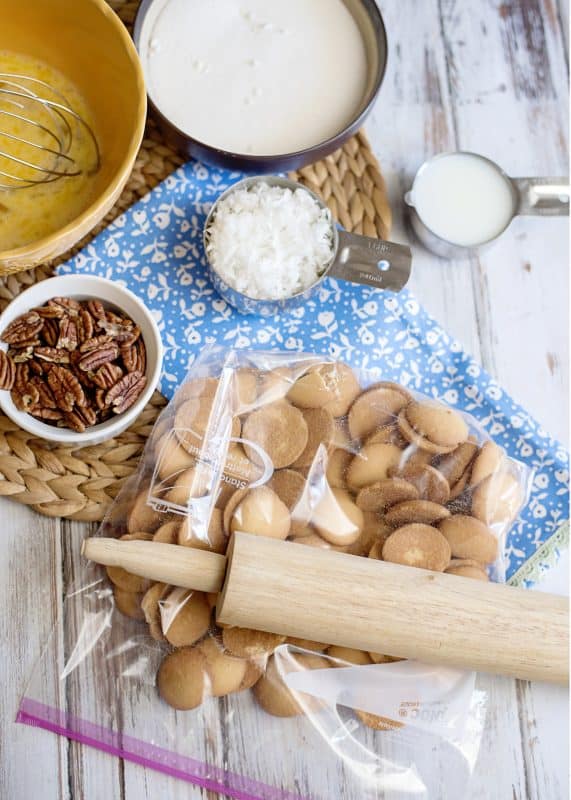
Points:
(484, 75)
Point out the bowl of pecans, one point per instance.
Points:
(80, 357)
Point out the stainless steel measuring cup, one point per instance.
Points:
(358, 259)
(539, 197)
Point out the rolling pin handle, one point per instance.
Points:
(187, 567)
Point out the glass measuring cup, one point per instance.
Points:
(521, 197)
(357, 259)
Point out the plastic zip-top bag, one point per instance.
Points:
(297, 448)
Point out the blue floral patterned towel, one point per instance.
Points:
(155, 249)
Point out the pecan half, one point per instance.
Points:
(134, 357)
(46, 397)
(125, 392)
(25, 396)
(19, 356)
(141, 356)
(50, 331)
(49, 312)
(129, 358)
(94, 343)
(123, 331)
(100, 399)
(22, 374)
(66, 388)
(66, 304)
(68, 334)
(7, 371)
(23, 329)
(52, 354)
(96, 309)
(95, 358)
(106, 376)
(81, 418)
(48, 414)
(25, 343)
(84, 325)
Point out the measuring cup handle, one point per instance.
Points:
(373, 262)
(542, 197)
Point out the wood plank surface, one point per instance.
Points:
(474, 74)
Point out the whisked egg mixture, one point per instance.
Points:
(30, 213)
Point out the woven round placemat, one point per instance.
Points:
(80, 483)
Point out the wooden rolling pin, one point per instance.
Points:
(276, 586)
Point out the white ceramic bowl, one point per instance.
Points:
(112, 295)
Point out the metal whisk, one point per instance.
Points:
(38, 147)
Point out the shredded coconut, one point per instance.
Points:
(270, 242)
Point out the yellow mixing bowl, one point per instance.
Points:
(86, 41)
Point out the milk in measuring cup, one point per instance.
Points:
(463, 198)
